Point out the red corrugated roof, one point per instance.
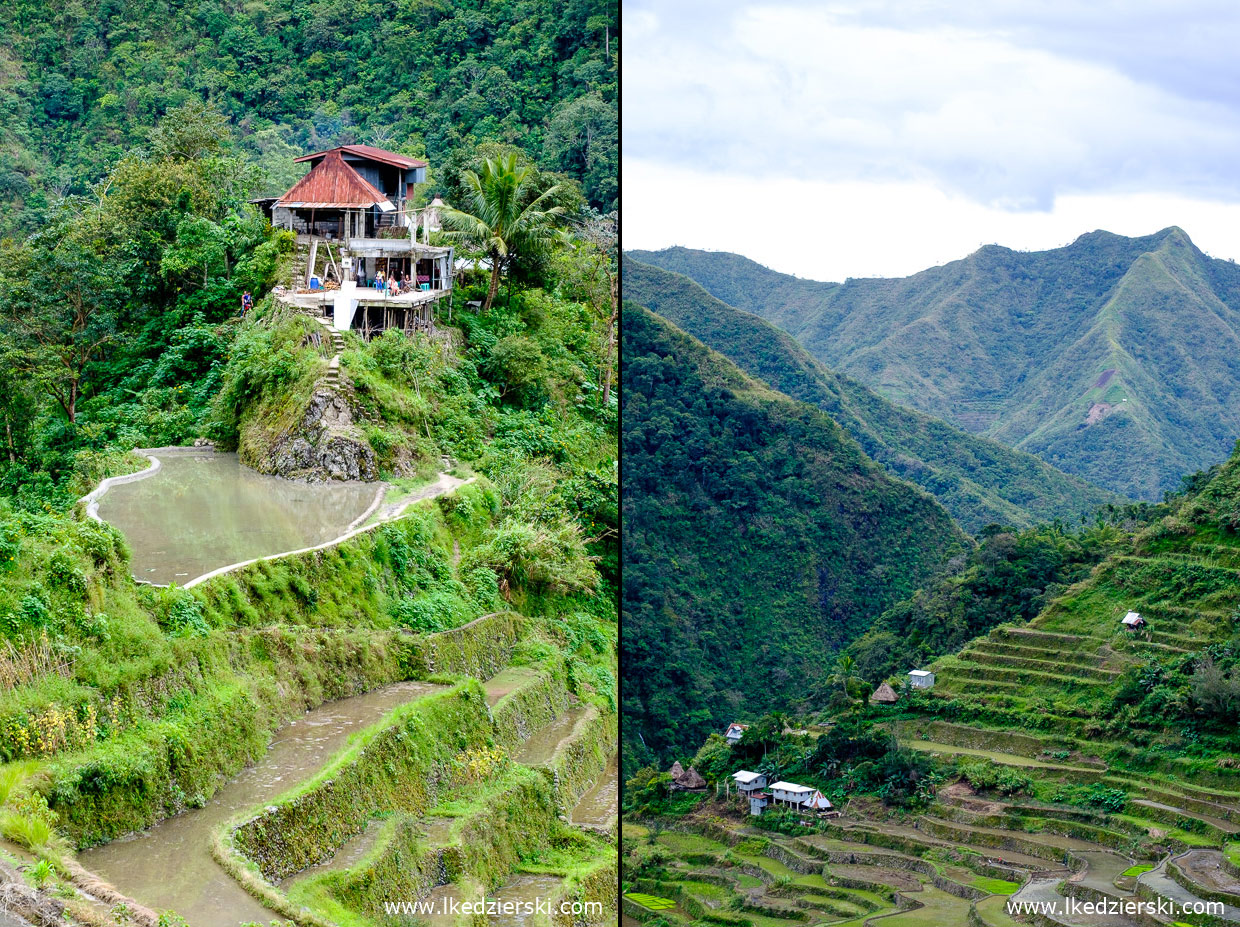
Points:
(332, 184)
(374, 154)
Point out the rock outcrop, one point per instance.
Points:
(325, 444)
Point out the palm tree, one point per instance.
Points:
(845, 672)
(497, 217)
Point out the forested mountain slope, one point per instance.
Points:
(758, 538)
(83, 83)
(1116, 359)
(979, 481)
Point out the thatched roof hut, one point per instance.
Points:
(690, 781)
(884, 695)
(677, 771)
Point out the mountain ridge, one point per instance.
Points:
(1010, 344)
(980, 481)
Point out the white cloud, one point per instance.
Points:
(880, 138)
(802, 93)
(833, 230)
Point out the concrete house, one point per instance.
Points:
(921, 679)
(748, 782)
(789, 793)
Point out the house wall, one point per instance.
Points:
(785, 795)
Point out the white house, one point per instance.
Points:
(1133, 620)
(921, 679)
(790, 793)
(734, 732)
(748, 781)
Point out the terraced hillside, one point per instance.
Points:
(464, 794)
(1074, 759)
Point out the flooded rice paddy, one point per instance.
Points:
(203, 510)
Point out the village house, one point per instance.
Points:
(921, 679)
(799, 796)
(353, 214)
(689, 780)
(748, 782)
(884, 695)
(734, 733)
(1132, 620)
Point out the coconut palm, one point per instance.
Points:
(845, 673)
(497, 217)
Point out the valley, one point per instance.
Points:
(1066, 761)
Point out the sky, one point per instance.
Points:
(858, 139)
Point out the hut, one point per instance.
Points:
(677, 770)
(690, 781)
(1132, 620)
(735, 732)
(884, 695)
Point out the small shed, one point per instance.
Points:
(921, 679)
(734, 732)
(884, 695)
(1132, 620)
(758, 801)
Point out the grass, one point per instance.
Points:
(939, 909)
(996, 886)
(1137, 870)
(992, 912)
(650, 902)
(1004, 759)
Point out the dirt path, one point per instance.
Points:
(445, 484)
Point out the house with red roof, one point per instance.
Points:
(354, 213)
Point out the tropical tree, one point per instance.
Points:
(502, 217)
(845, 673)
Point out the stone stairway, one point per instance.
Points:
(333, 378)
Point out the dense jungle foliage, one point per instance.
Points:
(758, 539)
(431, 78)
(1113, 359)
(979, 481)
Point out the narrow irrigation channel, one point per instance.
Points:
(170, 866)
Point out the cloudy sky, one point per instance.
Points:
(852, 139)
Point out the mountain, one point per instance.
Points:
(1115, 359)
(758, 539)
(979, 481)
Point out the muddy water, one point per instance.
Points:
(170, 865)
(599, 805)
(539, 746)
(523, 894)
(202, 511)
